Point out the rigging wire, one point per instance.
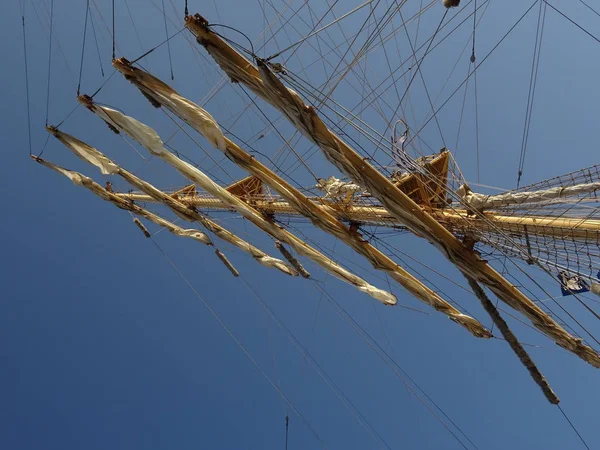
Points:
(476, 67)
(286, 143)
(560, 306)
(415, 74)
(361, 419)
(573, 426)
(476, 123)
(49, 60)
(26, 79)
(113, 29)
(287, 425)
(313, 33)
(159, 45)
(96, 42)
(590, 8)
(87, 13)
(473, 59)
(250, 52)
(400, 373)
(420, 72)
(537, 48)
(240, 345)
(572, 21)
(167, 37)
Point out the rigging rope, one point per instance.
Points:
(590, 8)
(26, 80)
(87, 13)
(240, 345)
(113, 29)
(96, 42)
(49, 60)
(167, 36)
(476, 67)
(515, 345)
(286, 143)
(275, 55)
(573, 426)
(573, 22)
(154, 48)
(473, 58)
(287, 424)
(532, 85)
(420, 72)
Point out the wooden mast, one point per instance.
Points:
(197, 118)
(266, 85)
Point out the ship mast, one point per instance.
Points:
(263, 82)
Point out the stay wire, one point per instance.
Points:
(87, 13)
(250, 52)
(395, 367)
(530, 94)
(113, 29)
(473, 58)
(49, 59)
(434, 116)
(573, 22)
(286, 143)
(26, 81)
(476, 67)
(287, 425)
(240, 345)
(590, 8)
(359, 416)
(167, 37)
(96, 43)
(154, 48)
(573, 427)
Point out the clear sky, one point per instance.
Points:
(104, 345)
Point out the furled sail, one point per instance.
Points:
(334, 187)
(267, 86)
(183, 211)
(198, 119)
(86, 182)
(481, 201)
(197, 176)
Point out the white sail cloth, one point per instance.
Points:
(96, 158)
(335, 187)
(148, 135)
(481, 201)
(81, 180)
(163, 94)
(262, 82)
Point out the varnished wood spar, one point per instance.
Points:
(254, 216)
(515, 345)
(363, 173)
(86, 182)
(178, 208)
(197, 118)
(563, 228)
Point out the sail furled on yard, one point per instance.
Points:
(267, 86)
(152, 142)
(552, 223)
(198, 119)
(81, 180)
(482, 201)
(93, 156)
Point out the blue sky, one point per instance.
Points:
(103, 343)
